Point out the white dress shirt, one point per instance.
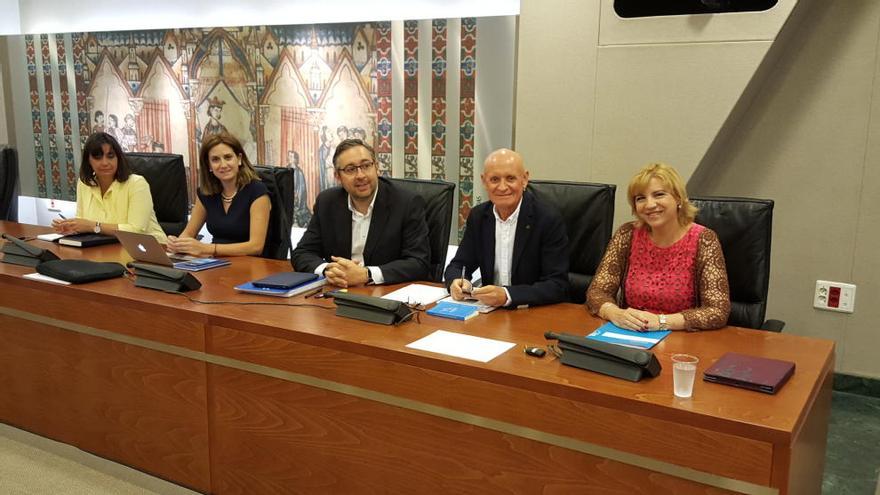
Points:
(505, 234)
(360, 228)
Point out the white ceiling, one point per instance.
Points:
(66, 16)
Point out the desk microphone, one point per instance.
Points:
(18, 252)
(32, 250)
(637, 356)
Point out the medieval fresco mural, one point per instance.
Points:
(289, 93)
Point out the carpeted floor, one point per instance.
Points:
(33, 465)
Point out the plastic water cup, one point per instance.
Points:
(684, 370)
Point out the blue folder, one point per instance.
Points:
(612, 333)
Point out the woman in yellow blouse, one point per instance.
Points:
(108, 196)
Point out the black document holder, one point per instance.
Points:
(80, 271)
(603, 357)
(372, 309)
(18, 252)
(163, 278)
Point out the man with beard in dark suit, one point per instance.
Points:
(367, 231)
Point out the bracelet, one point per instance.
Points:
(215, 249)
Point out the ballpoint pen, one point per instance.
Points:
(463, 280)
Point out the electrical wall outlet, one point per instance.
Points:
(835, 296)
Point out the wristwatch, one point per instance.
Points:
(663, 324)
(97, 227)
(369, 276)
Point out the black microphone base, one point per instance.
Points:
(15, 259)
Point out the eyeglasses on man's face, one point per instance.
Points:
(352, 170)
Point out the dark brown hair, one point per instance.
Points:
(94, 148)
(347, 144)
(211, 184)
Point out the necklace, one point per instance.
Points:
(229, 198)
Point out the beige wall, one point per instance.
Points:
(599, 96)
(811, 141)
(745, 111)
(556, 73)
(5, 115)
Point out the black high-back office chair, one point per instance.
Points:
(166, 175)
(438, 196)
(588, 211)
(744, 227)
(8, 184)
(280, 182)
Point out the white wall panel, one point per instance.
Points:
(9, 20)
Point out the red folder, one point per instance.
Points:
(751, 372)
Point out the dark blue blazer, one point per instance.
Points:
(539, 272)
(397, 241)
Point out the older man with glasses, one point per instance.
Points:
(367, 231)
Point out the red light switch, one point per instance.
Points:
(833, 297)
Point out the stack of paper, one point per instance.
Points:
(417, 294)
(50, 237)
(45, 278)
(461, 345)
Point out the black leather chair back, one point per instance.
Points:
(279, 181)
(8, 184)
(167, 178)
(438, 196)
(744, 227)
(588, 212)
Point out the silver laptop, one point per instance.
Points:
(145, 248)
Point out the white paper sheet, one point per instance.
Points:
(417, 294)
(461, 345)
(43, 278)
(49, 237)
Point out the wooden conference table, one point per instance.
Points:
(270, 399)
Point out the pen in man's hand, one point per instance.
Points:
(62, 216)
(463, 280)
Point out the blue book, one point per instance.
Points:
(612, 333)
(250, 288)
(199, 264)
(447, 309)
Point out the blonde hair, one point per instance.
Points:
(671, 181)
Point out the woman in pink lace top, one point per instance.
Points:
(662, 271)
